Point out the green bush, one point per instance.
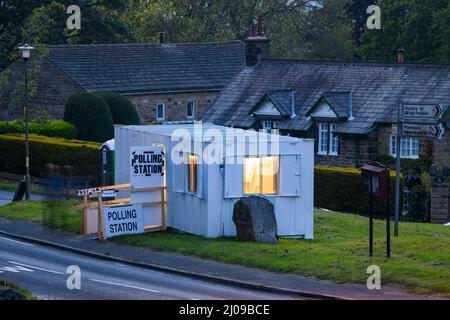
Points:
(340, 189)
(90, 114)
(83, 156)
(48, 128)
(122, 110)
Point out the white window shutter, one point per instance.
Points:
(290, 178)
(233, 178)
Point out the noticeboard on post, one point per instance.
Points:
(147, 167)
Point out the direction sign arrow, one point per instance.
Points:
(423, 130)
(423, 111)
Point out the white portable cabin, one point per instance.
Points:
(201, 193)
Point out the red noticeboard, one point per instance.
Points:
(377, 174)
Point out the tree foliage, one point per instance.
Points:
(122, 110)
(419, 27)
(90, 114)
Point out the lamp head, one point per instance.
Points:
(26, 51)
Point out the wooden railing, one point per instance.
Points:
(100, 204)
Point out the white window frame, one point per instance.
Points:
(157, 111)
(331, 146)
(278, 159)
(334, 141)
(410, 147)
(323, 149)
(267, 126)
(194, 106)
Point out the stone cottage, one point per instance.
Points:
(349, 108)
(166, 81)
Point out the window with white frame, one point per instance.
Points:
(190, 109)
(328, 141)
(267, 126)
(261, 175)
(160, 111)
(410, 147)
(334, 141)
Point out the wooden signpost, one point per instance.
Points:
(415, 121)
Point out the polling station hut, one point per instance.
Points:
(208, 168)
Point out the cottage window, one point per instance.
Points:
(410, 147)
(160, 111)
(267, 126)
(261, 175)
(192, 173)
(190, 109)
(328, 141)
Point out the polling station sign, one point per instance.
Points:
(123, 220)
(147, 166)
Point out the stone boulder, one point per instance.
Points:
(10, 294)
(254, 218)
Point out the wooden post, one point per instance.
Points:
(100, 217)
(84, 227)
(163, 210)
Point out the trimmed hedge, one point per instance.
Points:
(340, 189)
(48, 128)
(90, 114)
(83, 156)
(122, 110)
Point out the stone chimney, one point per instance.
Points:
(401, 56)
(257, 45)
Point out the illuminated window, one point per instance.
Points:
(261, 175)
(192, 173)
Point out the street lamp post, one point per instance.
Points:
(26, 53)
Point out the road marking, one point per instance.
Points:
(15, 269)
(124, 285)
(37, 268)
(26, 244)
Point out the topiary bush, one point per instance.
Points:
(83, 156)
(48, 128)
(340, 189)
(122, 110)
(90, 114)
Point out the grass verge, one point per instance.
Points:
(420, 259)
(8, 185)
(8, 285)
(57, 214)
(420, 255)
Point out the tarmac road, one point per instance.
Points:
(42, 272)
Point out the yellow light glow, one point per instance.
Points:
(261, 175)
(192, 173)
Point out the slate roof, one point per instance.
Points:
(339, 102)
(136, 68)
(377, 89)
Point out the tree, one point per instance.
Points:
(44, 22)
(122, 110)
(420, 27)
(288, 23)
(90, 114)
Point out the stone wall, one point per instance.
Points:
(440, 200)
(441, 150)
(176, 104)
(53, 87)
(354, 151)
